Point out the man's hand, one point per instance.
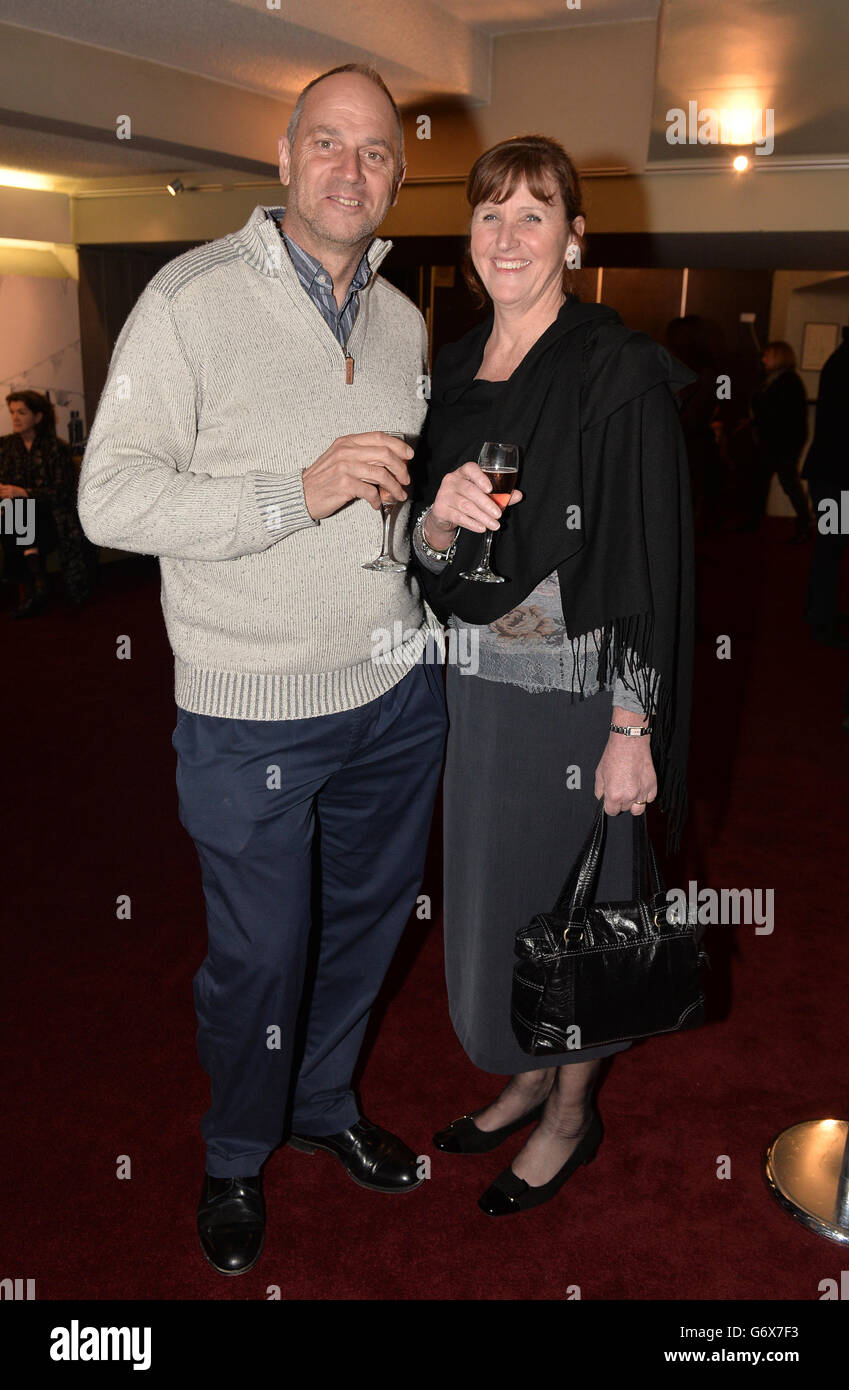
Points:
(462, 500)
(372, 466)
(12, 490)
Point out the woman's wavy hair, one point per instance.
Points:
(38, 404)
(545, 167)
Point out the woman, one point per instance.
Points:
(36, 464)
(780, 419)
(596, 549)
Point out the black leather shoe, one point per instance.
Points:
(370, 1155)
(231, 1222)
(463, 1136)
(510, 1193)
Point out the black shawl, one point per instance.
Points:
(606, 503)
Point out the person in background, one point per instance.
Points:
(780, 421)
(826, 472)
(36, 464)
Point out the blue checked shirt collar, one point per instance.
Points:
(318, 284)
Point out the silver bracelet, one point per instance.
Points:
(428, 549)
(631, 730)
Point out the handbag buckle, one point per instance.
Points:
(579, 933)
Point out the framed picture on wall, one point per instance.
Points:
(818, 343)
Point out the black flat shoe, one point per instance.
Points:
(231, 1223)
(510, 1193)
(370, 1155)
(463, 1136)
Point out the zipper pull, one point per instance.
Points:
(349, 370)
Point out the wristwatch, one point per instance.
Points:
(632, 730)
(418, 532)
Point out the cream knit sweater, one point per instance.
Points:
(225, 383)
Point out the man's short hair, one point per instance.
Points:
(364, 71)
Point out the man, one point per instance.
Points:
(780, 418)
(827, 472)
(245, 436)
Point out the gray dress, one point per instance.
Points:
(513, 826)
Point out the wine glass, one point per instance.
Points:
(500, 462)
(386, 561)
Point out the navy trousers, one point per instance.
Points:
(253, 795)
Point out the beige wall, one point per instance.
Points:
(801, 201)
(786, 287)
(40, 335)
(28, 214)
(590, 87)
(774, 200)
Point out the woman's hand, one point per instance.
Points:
(462, 500)
(625, 777)
(12, 490)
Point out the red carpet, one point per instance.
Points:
(98, 1026)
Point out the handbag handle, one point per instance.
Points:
(580, 886)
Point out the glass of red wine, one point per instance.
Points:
(500, 462)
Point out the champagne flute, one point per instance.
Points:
(386, 561)
(500, 462)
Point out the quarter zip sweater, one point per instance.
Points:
(225, 383)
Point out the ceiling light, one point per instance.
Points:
(175, 186)
(741, 163)
(19, 178)
(738, 126)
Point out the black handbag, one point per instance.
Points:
(592, 973)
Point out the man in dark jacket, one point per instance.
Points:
(779, 412)
(827, 473)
